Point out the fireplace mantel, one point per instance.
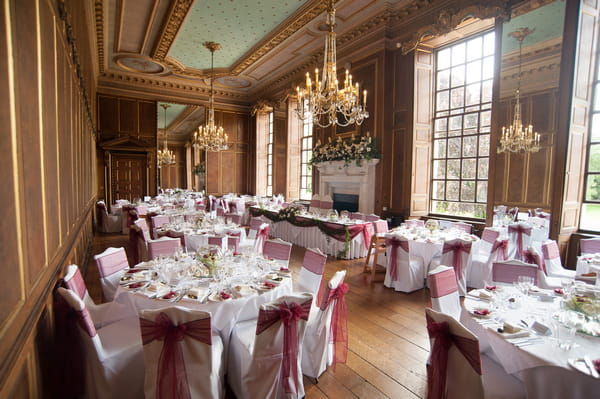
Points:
(337, 177)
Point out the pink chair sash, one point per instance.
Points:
(315, 204)
(443, 339)
(550, 250)
(339, 321)
(394, 243)
(589, 245)
(76, 284)
(277, 250)
(112, 263)
(289, 316)
(514, 212)
(326, 204)
(263, 236)
(535, 259)
(519, 230)
(502, 247)
(442, 283)
(381, 226)
(314, 262)
(490, 235)
(234, 241)
(509, 273)
(456, 248)
(171, 380)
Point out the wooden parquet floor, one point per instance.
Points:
(388, 344)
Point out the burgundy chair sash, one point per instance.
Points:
(456, 248)
(171, 381)
(289, 316)
(501, 246)
(535, 259)
(519, 230)
(76, 284)
(112, 263)
(442, 283)
(394, 243)
(339, 321)
(263, 234)
(135, 234)
(443, 339)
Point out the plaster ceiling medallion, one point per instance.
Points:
(232, 82)
(138, 64)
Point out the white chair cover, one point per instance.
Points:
(403, 273)
(164, 246)
(114, 363)
(107, 223)
(158, 221)
(255, 224)
(466, 227)
(519, 239)
(111, 264)
(508, 271)
(311, 272)
(278, 250)
(196, 368)
(259, 366)
(315, 204)
(480, 268)
(143, 225)
(553, 264)
(261, 237)
(444, 291)
(319, 349)
(457, 253)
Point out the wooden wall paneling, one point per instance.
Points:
(423, 113)
(28, 124)
(147, 119)
(279, 155)
(128, 116)
(228, 171)
(212, 173)
(108, 116)
(577, 68)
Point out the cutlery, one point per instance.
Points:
(590, 366)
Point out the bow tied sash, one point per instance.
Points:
(519, 230)
(289, 315)
(501, 246)
(394, 243)
(443, 339)
(262, 236)
(535, 259)
(171, 380)
(339, 321)
(457, 248)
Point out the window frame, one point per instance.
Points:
(306, 146)
(270, 139)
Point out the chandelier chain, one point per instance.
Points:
(165, 156)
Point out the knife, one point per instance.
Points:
(590, 365)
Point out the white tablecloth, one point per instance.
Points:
(543, 366)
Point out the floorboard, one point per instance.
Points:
(388, 343)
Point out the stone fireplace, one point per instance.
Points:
(337, 178)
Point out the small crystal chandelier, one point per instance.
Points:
(327, 105)
(517, 138)
(210, 137)
(165, 156)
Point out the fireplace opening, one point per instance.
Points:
(345, 202)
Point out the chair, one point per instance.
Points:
(233, 218)
(233, 243)
(255, 224)
(141, 210)
(111, 264)
(278, 250)
(195, 368)
(315, 204)
(372, 218)
(414, 223)
(519, 239)
(106, 222)
(480, 269)
(156, 222)
(514, 213)
(532, 256)
(457, 253)
(444, 291)
(311, 272)
(466, 227)
(552, 262)
(357, 216)
(326, 203)
(138, 244)
(104, 313)
(326, 337)
(164, 246)
(113, 362)
(218, 241)
(404, 273)
(456, 369)
(376, 247)
(261, 237)
(589, 246)
(142, 224)
(264, 353)
(128, 216)
(508, 271)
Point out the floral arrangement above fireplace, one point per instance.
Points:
(351, 149)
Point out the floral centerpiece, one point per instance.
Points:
(351, 149)
(289, 213)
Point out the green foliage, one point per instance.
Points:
(350, 149)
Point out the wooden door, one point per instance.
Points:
(128, 176)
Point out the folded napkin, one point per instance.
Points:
(506, 335)
(269, 285)
(198, 293)
(224, 295)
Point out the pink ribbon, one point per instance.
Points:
(395, 243)
(443, 340)
(289, 316)
(339, 322)
(442, 283)
(519, 229)
(534, 259)
(501, 246)
(456, 249)
(263, 235)
(171, 380)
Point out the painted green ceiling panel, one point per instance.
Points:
(239, 23)
(172, 113)
(548, 22)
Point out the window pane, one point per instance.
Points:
(439, 149)
(458, 54)
(453, 171)
(489, 44)
(474, 71)
(469, 146)
(486, 91)
(590, 214)
(471, 123)
(473, 94)
(439, 206)
(438, 189)
(474, 48)
(479, 210)
(597, 98)
(443, 59)
(592, 192)
(458, 76)
(482, 168)
(482, 191)
(443, 79)
(487, 71)
(452, 190)
(594, 158)
(467, 191)
(440, 127)
(595, 132)
(443, 100)
(484, 145)
(486, 118)
(468, 168)
(439, 169)
(456, 123)
(454, 147)
(457, 98)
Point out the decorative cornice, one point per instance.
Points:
(177, 14)
(98, 7)
(528, 6)
(264, 105)
(448, 19)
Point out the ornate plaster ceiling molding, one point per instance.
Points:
(528, 6)
(177, 13)
(264, 106)
(139, 64)
(99, 13)
(449, 18)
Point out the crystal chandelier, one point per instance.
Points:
(210, 137)
(516, 137)
(323, 101)
(165, 156)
